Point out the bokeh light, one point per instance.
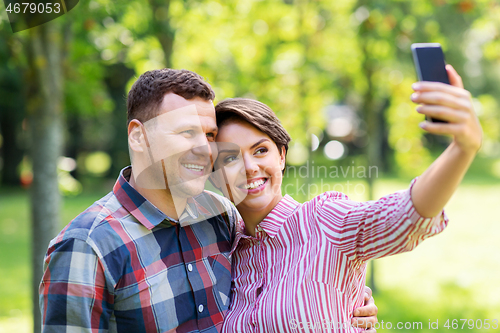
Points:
(334, 150)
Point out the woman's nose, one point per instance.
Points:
(250, 166)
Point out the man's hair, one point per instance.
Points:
(146, 95)
(256, 114)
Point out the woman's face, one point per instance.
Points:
(249, 166)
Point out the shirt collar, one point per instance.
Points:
(194, 212)
(273, 222)
(140, 208)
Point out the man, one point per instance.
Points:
(153, 254)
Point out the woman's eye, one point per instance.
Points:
(229, 159)
(261, 151)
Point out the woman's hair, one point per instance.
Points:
(256, 114)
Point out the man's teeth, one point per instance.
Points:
(254, 184)
(193, 167)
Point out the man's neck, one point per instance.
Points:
(162, 199)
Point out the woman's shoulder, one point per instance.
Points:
(330, 201)
(328, 196)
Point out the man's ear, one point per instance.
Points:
(137, 140)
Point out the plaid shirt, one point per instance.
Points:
(124, 266)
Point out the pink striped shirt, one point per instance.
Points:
(305, 269)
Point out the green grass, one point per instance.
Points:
(451, 276)
(14, 255)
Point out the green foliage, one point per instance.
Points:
(487, 107)
(297, 56)
(405, 135)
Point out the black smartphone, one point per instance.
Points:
(430, 65)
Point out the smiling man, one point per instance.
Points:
(153, 254)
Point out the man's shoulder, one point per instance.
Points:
(219, 205)
(83, 225)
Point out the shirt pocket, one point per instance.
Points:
(220, 267)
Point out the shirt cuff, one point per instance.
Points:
(427, 226)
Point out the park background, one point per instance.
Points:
(337, 73)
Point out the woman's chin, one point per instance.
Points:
(255, 203)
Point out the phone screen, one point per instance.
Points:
(429, 60)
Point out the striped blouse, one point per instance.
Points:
(304, 271)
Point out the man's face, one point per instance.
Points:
(179, 144)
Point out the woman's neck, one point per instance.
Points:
(253, 217)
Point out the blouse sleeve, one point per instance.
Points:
(375, 229)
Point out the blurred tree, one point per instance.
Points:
(45, 110)
(162, 28)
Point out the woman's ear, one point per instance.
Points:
(282, 158)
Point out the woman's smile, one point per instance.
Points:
(254, 185)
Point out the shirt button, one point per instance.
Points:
(200, 308)
(190, 268)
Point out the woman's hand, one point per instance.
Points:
(451, 103)
(366, 316)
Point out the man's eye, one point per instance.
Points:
(210, 136)
(189, 133)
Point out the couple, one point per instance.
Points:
(155, 254)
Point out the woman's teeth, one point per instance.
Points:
(193, 167)
(255, 184)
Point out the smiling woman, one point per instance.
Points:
(298, 262)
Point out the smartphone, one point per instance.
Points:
(430, 65)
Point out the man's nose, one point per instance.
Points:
(203, 147)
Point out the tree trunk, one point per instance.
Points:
(371, 114)
(162, 28)
(45, 106)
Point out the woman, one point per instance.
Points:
(301, 267)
